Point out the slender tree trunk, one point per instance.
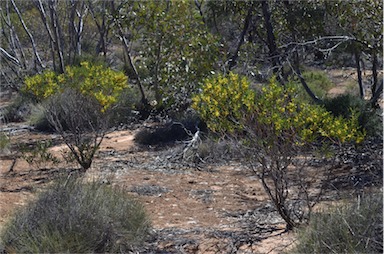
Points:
(31, 39)
(56, 33)
(296, 58)
(13, 39)
(129, 58)
(359, 75)
(233, 60)
(198, 6)
(52, 41)
(271, 42)
(377, 94)
(102, 28)
(374, 73)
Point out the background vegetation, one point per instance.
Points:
(253, 72)
(77, 217)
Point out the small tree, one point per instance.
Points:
(77, 105)
(277, 135)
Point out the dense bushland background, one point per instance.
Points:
(248, 78)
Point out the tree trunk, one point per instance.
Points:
(129, 58)
(232, 61)
(37, 57)
(377, 94)
(271, 42)
(56, 33)
(374, 73)
(102, 28)
(296, 58)
(359, 76)
(52, 43)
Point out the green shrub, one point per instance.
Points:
(77, 217)
(78, 104)
(38, 119)
(272, 129)
(4, 142)
(96, 81)
(351, 228)
(38, 155)
(17, 111)
(345, 105)
(318, 82)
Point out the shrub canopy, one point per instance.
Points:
(228, 104)
(104, 84)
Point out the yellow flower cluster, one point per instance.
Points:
(225, 102)
(102, 83)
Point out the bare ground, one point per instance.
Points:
(213, 208)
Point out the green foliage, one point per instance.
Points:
(103, 84)
(77, 217)
(80, 120)
(4, 142)
(318, 82)
(39, 155)
(345, 105)
(351, 228)
(226, 102)
(176, 50)
(223, 101)
(273, 128)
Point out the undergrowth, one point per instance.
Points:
(77, 217)
(350, 228)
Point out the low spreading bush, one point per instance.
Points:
(370, 119)
(17, 111)
(350, 228)
(77, 217)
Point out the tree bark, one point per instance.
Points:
(271, 42)
(296, 57)
(31, 39)
(128, 57)
(359, 75)
(374, 73)
(377, 94)
(103, 28)
(233, 60)
(52, 4)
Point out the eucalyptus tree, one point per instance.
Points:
(169, 48)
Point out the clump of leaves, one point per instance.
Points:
(77, 217)
(103, 84)
(226, 101)
(223, 100)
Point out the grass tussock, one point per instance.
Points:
(350, 228)
(77, 217)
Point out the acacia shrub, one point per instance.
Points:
(78, 104)
(103, 84)
(272, 127)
